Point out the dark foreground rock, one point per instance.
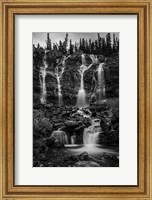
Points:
(86, 164)
(63, 157)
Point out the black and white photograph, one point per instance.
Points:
(75, 99)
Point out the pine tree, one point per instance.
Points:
(108, 44)
(96, 47)
(65, 43)
(60, 46)
(71, 47)
(99, 44)
(80, 46)
(86, 46)
(90, 46)
(114, 43)
(75, 46)
(48, 42)
(83, 45)
(103, 48)
(117, 43)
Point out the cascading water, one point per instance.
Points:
(94, 59)
(73, 139)
(58, 75)
(59, 91)
(91, 134)
(81, 99)
(101, 83)
(60, 136)
(42, 81)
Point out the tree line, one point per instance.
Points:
(102, 45)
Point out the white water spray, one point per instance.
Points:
(101, 83)
(94, 59)
(42, 76)
(58, 75)
(91, 134)
(81, 99)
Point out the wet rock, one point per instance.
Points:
(36, 153)
(50, 141)
(72, 124)
(50, 105)
(73, 158)
(83, 156)
(36, 144)
(58, 125)
(58, 144)
(42, 157)
(80, 128)
(86, 164)
(42, 149)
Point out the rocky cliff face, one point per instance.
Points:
(70, 79)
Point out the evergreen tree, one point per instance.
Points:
(71, 47)
(117, 43)
(90, 46)
(48, 42)
(108, 44)
(86, 46)
(103, 46)
(96, 47)
(114, 43)
(80, 47)
(83, 45)
(65, 43)
(75, 47)
(60, 46)
(99, 44)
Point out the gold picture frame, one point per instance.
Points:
(10, 8)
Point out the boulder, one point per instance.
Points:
(83, 156)
(42, 157)
(58, 125)
(50, 141)
(73, 158)
(58, 144)
(72, 124)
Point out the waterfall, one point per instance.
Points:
(59, 91)
(83, 59)
(81, 99)
(91, 134)
(101, 83)
(60, 136)
(94, 58)
(43, 83)
(73, 139)
(58, 77)
(59, 70)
